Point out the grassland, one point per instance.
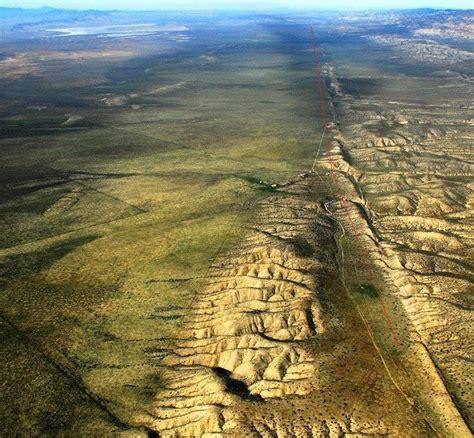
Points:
(119, 192)
(168, 264)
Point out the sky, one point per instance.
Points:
(238, 4)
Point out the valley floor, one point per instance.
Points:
(180, 253)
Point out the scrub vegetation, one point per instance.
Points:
(174, 257)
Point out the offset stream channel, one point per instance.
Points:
(279, 343)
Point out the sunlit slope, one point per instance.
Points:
(118, 195)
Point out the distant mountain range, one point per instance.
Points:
(25, 23)
(46, 14)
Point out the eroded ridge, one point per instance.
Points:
(244, 337)
(411, 167)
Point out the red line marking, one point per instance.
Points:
(363, 253)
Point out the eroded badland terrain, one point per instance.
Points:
(193, 243)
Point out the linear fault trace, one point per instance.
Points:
(362, 251)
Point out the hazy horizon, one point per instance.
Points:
(339, 5)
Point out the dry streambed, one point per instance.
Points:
(279, 343)
(274, 345)
(413, 166)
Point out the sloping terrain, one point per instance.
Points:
(411, 160)
(272, 346)
(180, 255)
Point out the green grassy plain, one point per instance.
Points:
(119, 192)
(124, 177)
